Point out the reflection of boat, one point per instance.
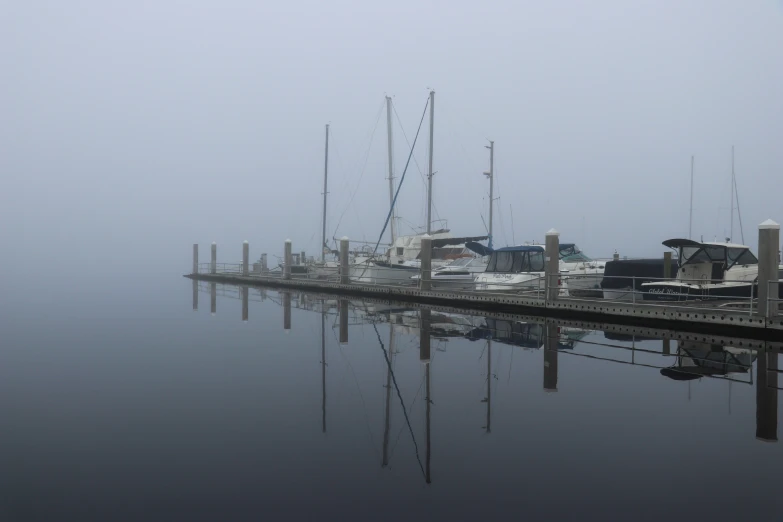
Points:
(707, 271)
(696, 360)
(525, 334)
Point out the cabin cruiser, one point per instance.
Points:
(582, 276)
(457, 275)
(623, 277)
(707, 271)
(514, 269)
(401, 261)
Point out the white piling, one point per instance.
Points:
(344, 279)
(552, 264)
(245, 258)
(213, 261)
(287, 259)
(769, 241)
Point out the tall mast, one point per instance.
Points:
(393, 228)
(491, 176)
(690, 222)
(429, 176)
(326, 174)
(731, 233)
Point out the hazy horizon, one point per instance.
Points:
(132, 131)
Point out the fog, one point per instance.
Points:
(131, 131)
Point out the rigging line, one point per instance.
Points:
(399, 395)
(364, 168)
(415, 162)
(413, 403)
(402, 178)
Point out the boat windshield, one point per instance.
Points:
(702, 254)
(741, 256)
(516, 262)
(572, 254)
(463, 261)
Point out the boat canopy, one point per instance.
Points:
(729, 254)
(478, 248)
(521, 248)
(449, 241)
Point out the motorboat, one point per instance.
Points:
(582, 276)
(457, 275)
(517, 269)
(707, 271)
(623, 277)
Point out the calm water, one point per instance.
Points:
(122, 402)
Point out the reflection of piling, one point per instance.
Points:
(344, 260)
(769, 241)
(195, 295)
(489, 385)
(287, 259)
(213, 260)
(767, 395)
(195, 258)
(245, 258)
(426, 262)
(286, 310)
(212, 298)
(245, 299)
(552, 264)
(343, 321)
(550, 358)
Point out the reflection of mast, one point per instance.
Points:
(488, 398)
(323, 367)
(386, 425)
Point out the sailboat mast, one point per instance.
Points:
(491, 176)
(429, 176)
(731, 233)
(393, 223)
(326, 174)
(690, 221)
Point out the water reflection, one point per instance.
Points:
(569, 353)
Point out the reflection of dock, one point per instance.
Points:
(679, 356)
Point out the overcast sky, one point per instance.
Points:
(145, 126)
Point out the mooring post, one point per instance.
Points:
(213, 298)
(667, 265)
(550, 357)
(287, 260)
(245, 258)
(616, 256)
(769, 241)
(343, 311)
(426, 262)
(213, 259)
(264, 266)
(344, 280)
(302, 258)
(767, 394)
(552, 264)
(245, 299)
(286, 311)
(195, 258)
(667, 347)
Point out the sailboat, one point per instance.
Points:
(400, 263)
